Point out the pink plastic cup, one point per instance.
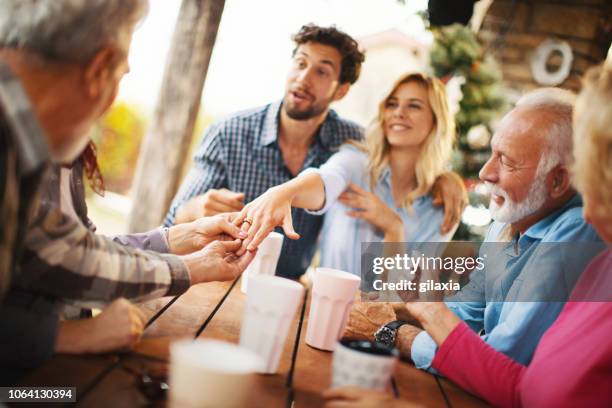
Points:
(333, 293)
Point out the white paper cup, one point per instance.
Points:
(333, 294)
(363, 364)
(211, 373)
(265, 260)
(270, 307)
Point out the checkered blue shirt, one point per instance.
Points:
(241, 154)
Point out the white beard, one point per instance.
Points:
(511, 211)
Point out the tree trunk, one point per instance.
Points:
(165, 147)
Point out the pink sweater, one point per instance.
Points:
(571, 367)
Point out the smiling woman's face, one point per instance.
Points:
(408, 118)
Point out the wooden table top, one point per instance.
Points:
(214, 311)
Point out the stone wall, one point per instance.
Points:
(513, 29)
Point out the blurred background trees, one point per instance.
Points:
(117, 138)
(456, 53)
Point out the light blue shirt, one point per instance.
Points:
(496, 299)
(342, 235)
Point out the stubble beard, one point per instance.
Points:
(314, 110)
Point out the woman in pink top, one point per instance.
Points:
(572, 366)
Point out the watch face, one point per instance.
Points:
(385, 335)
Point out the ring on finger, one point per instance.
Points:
(248, 221)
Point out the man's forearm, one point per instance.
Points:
(92, 267)
(439, 321)
(72, 336)
(150, 241)
(404, 315)
(405, 337)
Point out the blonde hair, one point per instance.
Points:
(436, 150)
(593, 134)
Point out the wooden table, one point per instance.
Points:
(214, 311)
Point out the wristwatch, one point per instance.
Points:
(387, 333)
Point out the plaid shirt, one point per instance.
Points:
(28, 324)
(23, 157)
(92, 268)
(58, 256)
(241, 153)
(54, 256)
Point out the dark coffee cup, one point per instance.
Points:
(364, 364)
(370, 347)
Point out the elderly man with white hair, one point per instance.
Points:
(529, 271)
(60, 66)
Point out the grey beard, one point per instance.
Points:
(512, 212)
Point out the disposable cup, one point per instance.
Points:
(363, 364)
(333, 294)
(270, 308)
(265, 260)
(211, 373)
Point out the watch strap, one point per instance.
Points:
(396, 324)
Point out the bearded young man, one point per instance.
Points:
(529, 271)
(244, 155)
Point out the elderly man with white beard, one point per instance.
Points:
(529, 271)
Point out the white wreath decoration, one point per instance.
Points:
(541, 55)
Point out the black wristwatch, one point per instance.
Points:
(387, 334)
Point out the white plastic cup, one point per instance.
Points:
(363, 364)
(265, 260)
(211, 373)
(270, 308)
(333, 294)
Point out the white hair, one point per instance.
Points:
(560, 103)
(67, 30)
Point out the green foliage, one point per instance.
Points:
(456, 51)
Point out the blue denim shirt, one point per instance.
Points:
(343, 235)
(515, 271)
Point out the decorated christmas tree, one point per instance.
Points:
(456, 55)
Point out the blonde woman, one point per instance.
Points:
(379, 191)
